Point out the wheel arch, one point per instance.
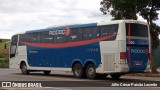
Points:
(90, 61)
(76, 61)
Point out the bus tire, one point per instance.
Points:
(24, 69)
(91, 71)
(78, 70)
(46, 72)
(115, 76)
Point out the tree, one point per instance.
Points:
(128, 9)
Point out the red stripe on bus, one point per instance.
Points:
(68, 44)
(129, 33)
(129, 52)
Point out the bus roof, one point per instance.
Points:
(83, 25)
(63, 27)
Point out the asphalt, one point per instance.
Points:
(66, 81)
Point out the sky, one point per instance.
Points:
(24, 15)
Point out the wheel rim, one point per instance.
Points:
(91, 71)
(77, 71)
(24, 68)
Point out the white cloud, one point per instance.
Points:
(21, 15)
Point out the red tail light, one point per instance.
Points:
(122, 55)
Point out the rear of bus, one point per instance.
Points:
(137, 46)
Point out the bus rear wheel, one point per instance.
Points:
(46, 72)
(91, 71)
(78, 70)
(24, 69)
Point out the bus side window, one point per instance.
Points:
(87, 33)
(75, 35)
(35, 37)
(46, 38)
(96, 32)
(108, 30)
(90, 33)
(13, 46)
(61, 38)
(23, 38)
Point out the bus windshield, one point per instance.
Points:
(137, 30)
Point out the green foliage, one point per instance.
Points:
(2, 43)
(157, 56)
(4, 63)
(154, 30)
(4, 60)
(128, 9)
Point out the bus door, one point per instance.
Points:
(137, 46)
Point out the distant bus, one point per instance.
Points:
(88, 50)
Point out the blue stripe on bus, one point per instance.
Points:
(63, 57)
(63, 27)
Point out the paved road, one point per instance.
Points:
(66, 79)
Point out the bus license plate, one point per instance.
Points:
(137, 63)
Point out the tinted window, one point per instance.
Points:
(13, 46)
(23, 38)
(14, 40)
(139, 30)
(109, 30)
(75, 35)
(46, 38)
(35, 37)
(61, 38)
(90, 33)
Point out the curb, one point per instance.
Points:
(144, 74)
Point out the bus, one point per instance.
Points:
(88, 50)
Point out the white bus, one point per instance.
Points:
(96, 49)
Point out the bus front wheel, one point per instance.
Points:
(78, 70)
(24, 69)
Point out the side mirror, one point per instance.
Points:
(5, 46)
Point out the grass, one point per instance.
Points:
(2, 43)
(4, 61)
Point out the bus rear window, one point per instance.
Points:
(138, 30)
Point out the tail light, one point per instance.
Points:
(123, 55)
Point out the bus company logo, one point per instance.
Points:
(67, 31)
(60, 32)
(137, 51)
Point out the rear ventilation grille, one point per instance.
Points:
(109, 60)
